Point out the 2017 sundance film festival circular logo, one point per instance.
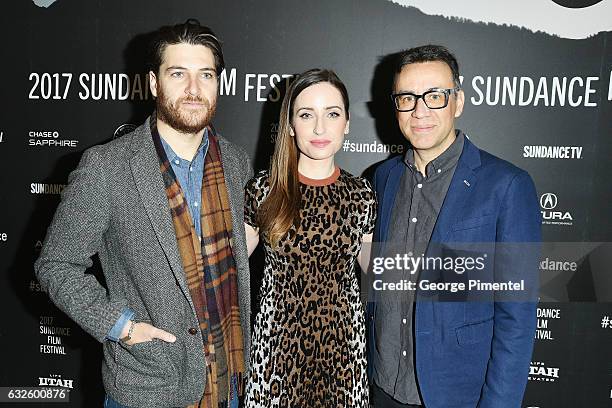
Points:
(576, 4)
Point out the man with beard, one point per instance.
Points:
(163, 209)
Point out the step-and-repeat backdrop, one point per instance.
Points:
(537, 77)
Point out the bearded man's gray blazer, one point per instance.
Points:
(115, 205)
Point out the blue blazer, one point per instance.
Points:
(470, 354)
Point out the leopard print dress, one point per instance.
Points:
(308, 344)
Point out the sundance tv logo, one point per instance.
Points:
(552, 152)
(551, 215)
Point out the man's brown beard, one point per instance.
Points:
(180, 120)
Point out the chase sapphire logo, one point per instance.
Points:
(123, 130)
(577, 4)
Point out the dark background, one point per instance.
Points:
(356, 38)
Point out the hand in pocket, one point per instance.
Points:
(143, 332)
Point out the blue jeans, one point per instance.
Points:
(111, 403)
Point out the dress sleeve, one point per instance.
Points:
(372, 207)
(250, 203)
(254, 194)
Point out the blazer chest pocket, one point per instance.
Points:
(475, 333)
(144, 366)
(473, 222)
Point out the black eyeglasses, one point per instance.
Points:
(434, 99)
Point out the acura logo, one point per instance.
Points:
(548, 201)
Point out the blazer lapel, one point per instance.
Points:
(147, 177)
(460, 188)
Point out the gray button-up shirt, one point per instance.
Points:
(414, 214)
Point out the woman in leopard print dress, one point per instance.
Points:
(308, 345)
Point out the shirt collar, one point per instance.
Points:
(444, 161)
(173, 157)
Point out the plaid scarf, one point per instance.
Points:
(210, 272)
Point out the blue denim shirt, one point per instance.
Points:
(189, 175)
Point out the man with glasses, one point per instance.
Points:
(423, 351)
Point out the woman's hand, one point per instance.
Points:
(252, 237)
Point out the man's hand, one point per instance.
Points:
(143, 332)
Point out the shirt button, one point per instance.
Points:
(414, 219)
(190, 168)
(195, 204)
(439, 170)
(177, 161)
(419, 185)
(193, 331)
(404, 321)
(404, 353)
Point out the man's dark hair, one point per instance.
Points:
(189, 32)
(429, 53)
